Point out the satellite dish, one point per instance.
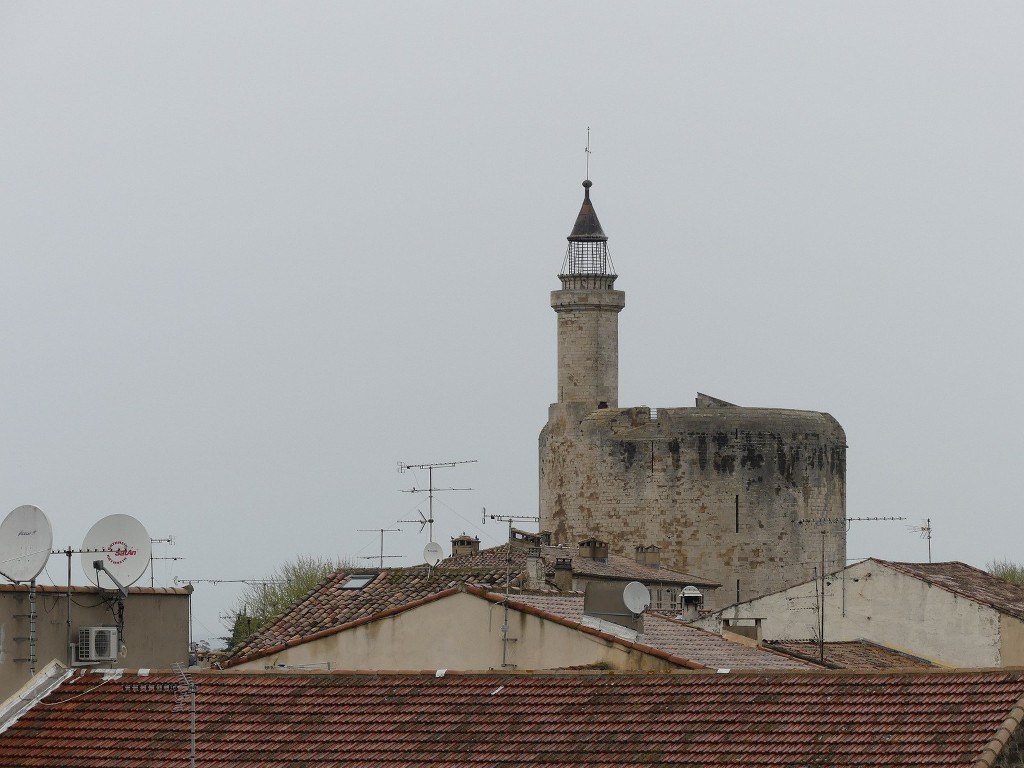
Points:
(433, 554)
(636, 598)
(25, 541)
(129, 549)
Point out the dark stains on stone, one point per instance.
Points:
(627, 453)
(673, 449)
(751, 457)
(724, 463)
(702, 451)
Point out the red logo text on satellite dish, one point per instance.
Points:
(121, 552)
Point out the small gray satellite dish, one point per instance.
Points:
(25, 541)
(636, 598)
(432, 553)
(128, 551)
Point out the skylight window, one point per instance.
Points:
(358, 581)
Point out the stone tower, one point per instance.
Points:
(588, 324)
(752, 498)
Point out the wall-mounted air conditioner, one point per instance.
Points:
(97, 644)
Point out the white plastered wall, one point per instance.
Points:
(461, 632)
(870, 601)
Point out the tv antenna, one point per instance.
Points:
(505, 639)
(819, 582)
(925, 532)
(165, 540)
(381, 531)
(186, 690)
(430, 490)
(187, 700)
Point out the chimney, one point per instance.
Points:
(563, 574)
(592, 549)
(465, 545)
(649, 555)
(692, 601)
(535, 576)
(524, 539)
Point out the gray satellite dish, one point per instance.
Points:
(636, 598)
(128, 550)
(433, 554)
(25, 541)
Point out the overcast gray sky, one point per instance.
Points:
(255, 254)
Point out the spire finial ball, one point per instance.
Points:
(587, 184)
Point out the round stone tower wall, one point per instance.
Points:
(748, 497)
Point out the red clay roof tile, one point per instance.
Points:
(283, 720)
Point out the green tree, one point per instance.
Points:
(264, 599)
(1007, 569)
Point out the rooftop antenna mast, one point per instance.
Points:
(381, 531)
(430, 489)
(165, 540)
(69, 551)
(187, 700)
(926, 533)
(820, 580)
(190, 582)
(505, 639)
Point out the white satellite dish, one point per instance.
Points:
(25, 541)
(433, 554)
(636, 598)
(128, 551)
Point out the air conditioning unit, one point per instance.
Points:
(97, 644)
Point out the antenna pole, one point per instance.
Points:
(505, 640)
(821, 603)
(165, 540)
(382, 531)
(71, 659)
(821, 616)
(430, 489)
(186, 690)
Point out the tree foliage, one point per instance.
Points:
(263, 600)
(1009, 570)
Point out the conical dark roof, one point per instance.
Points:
(587, 227)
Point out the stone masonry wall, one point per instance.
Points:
(728, 493)
(588, 339)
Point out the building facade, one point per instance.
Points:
(156, 628)
(754, 498)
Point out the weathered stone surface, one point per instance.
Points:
(742, 496)
(730, 493)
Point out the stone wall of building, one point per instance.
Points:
(730, 493)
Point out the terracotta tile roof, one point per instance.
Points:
(966, 581)
(616, 567)
(282, 720)
(331, 606)
(854, 654)
(675, 638)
